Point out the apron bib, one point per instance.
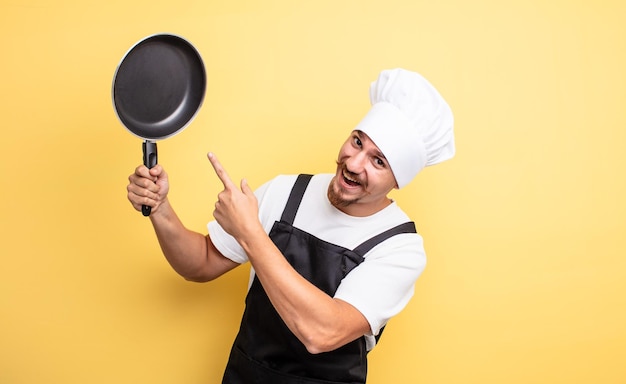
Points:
(265, 351)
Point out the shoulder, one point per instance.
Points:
(279, 188)
(405, 250)
(274, 194)
(277, 183)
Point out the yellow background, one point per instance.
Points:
(524, 229)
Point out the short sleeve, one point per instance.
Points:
(382, 285)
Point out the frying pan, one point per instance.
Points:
(158, 88)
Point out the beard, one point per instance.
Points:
(334, 194)
(335, 197)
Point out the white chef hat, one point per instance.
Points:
(409, 122)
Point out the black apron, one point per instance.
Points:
(265, 351)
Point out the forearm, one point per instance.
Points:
(185, 250)
(320, 322)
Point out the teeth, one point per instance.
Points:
(350, 179)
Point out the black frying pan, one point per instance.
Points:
(158, 88)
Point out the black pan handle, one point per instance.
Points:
(149, 160)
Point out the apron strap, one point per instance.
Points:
(408, 227)
(293, 203)
(297, 192)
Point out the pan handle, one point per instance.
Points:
(149, 160)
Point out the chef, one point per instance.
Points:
(333, 257)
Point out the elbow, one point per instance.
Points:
(317, 348)
(327, 336)
(196, 279)
(321, 342)
(198, 276)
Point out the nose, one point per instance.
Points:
(356, 163)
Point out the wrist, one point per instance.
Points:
(252, 239)
(163, 211)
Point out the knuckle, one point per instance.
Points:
(146, 183)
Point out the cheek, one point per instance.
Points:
(344, 153)
(386, 178)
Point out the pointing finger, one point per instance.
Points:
(220, 171)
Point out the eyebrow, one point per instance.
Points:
(363, 136)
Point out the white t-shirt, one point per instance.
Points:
(381, 286)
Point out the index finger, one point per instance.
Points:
(220, 171)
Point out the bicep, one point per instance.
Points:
(354, 322)
(381, 287)
(216, 263)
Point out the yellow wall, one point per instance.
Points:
(524, 229)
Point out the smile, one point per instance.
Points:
(350, 180)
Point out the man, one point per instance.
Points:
(333, 258)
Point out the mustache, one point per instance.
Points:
(351, 175)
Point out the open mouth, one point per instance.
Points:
(351, 181)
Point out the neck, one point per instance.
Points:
(360, 209)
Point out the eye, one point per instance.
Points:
(357, 141)
(380, 162)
